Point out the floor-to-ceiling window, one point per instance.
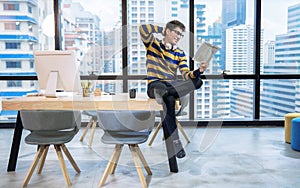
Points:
(281, 47)
(105, 37)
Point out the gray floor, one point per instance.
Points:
(225, 157)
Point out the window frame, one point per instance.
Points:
(125, 78)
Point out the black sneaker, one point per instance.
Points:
(180, 153)
(158, 94)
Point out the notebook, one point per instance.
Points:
(205, 52)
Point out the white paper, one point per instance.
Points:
(205, 52)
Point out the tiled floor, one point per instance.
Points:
(216, 158)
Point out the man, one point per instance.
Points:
(164, 58)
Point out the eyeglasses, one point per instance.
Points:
(178, 33)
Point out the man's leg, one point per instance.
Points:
(152, 93)
(169, 120)
(169, 146)
(180, 88)
(157, 90)
(170, 124)
(162, 93)
(176, 88)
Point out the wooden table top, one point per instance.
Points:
(119, 101)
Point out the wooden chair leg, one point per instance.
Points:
(92, 133)
(118, 153)
(155, 133)
(42, 162)
(33, 165)
(137, 165)
(143, 160)
(86, 129)
(70, 158)
(110, 164)
(179, 126)
(62, 164)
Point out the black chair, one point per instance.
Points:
(50, 127)
(126, 127)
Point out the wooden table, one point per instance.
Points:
(120, 101)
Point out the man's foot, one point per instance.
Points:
(158, 94)
(179, 151)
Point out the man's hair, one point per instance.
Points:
(175, 23)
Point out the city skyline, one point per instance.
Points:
(270, 20)
(96, 50)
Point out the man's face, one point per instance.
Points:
(173, 35)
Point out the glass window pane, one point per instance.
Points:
(11, 89)
(13, 64)
(109, 86)
(279, 97)
(228, 25)
(224, 99)
(25, 26)
(282, 37)
(12, 26)
(139, 85)
(7, 6)
(93, 29)
(156, 13)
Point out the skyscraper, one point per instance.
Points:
(282, 96)
(19, 36)
(233, 14)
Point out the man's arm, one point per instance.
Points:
(146, 32)
(196, 73)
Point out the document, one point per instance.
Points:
(205, 52)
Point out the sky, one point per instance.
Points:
(274, 13)
(107, 10)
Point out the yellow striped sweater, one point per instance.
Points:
(162, 64)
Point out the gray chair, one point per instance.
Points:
(126, 127)
(92, 124)
(50, 127)
(180, 112)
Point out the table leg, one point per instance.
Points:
(170, 149)
(14, 151)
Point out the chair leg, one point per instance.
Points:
(33, 165)
(155, 133)
(137, 165)
(114, 166)
(110, 164)
(69, 156)
(86, 129)
(62, 164)
(40, 168)
(179, 126)
(142, 158)
(92, 133)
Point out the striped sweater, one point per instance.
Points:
(162, 64)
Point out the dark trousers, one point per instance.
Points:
(175, 89)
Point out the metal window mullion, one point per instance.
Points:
(57, 21)
(257, 38)
(124, 47)
(191, 51)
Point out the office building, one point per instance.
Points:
(282, 96)
(269, 53)
(239, 60)
(233, 14)
(19, 36)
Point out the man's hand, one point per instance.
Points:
(203, 66)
